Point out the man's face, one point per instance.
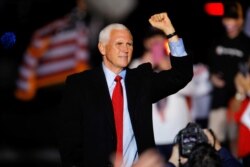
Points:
(118, 50)
(232, 26)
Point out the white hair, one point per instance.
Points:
(105, 32)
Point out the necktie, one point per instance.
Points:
(117, 101)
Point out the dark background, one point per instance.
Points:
(26, 130)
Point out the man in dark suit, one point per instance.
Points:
(89, 131)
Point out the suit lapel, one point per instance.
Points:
(104, 97)
(131, 90)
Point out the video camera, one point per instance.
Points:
(188, 137)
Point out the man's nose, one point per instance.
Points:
(124, 48)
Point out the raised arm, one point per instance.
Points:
(162, 22)
(170, 81)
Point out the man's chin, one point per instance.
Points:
(124, 65)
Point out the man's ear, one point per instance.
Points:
(101, 48)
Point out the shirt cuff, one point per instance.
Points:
(177, 48)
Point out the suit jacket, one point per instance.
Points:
(87, 134)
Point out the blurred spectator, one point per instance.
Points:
(228, 52)
(239, 112)
(247, 22)
(155, 50)
(200, 92)
(204, 154)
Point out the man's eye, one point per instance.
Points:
(119, 43)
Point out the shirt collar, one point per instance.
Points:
(110, 76)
